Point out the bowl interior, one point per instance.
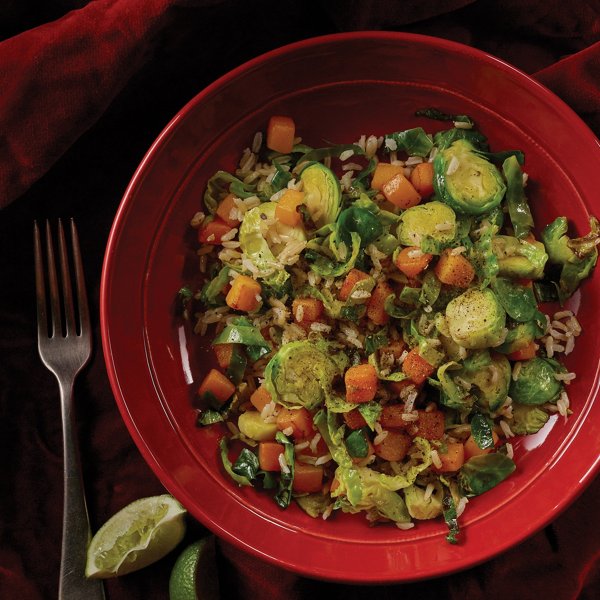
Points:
(336, 89)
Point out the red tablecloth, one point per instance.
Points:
(84, 93)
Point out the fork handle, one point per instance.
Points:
(76, 534)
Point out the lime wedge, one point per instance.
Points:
(138, 535)
(194, 575)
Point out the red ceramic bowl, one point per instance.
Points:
(337, 88)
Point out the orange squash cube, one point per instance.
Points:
(416, 368)
(287, 208)
(383, 173)
(361, 383)
(401, 192)
(307, 310)
(268, 455)
(224, 210)
(307, 478)
(454, 269)
(298, 419)
(217, 385)
(376, 304)
(452, 459)
(260, 398)
(280, 134)
(422, 179)
(394, 445)
(244, 294)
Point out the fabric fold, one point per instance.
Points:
(60, 77)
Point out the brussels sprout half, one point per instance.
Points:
(518, 258)
(421, 506)
(491, 382)
(322, 193)
(476, 319)
(466, 181)
(434, 220)
(527, 419)
(536, 383)
(302, 373)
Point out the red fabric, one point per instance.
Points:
(82, 97)
(58, 78)
(576, 80)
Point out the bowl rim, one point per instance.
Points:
(129, 194)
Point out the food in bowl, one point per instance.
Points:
(383, 318)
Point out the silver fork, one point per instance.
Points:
(65, 345)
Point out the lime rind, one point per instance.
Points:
(195, 573)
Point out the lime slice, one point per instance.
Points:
(194, 575)
(138, 535)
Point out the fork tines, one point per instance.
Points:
(63, 315)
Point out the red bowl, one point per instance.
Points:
(337, 88)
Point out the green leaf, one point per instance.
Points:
(430, 290)
(319, 154)
(352, 313)
(185, 293)
(370, 412)
(481, 431)
(503, 155)
(518, 207)
(246, 464)
(481, 473)
(374, 341)
(239, 479)
(410, 295)
(326, 267)
(578, 256)
(237, 366)
(314, 505)
(398, 311)
(545, 291)
(213, 288)
(453, 395)
(357, 444)
(286, 480)
(220, 184)
(445, 139)
(209, 417)
(360, 220)
(415, 142)
(517, 300)
(241, 331)
(451, 519)
(438, 115)
(481, 254)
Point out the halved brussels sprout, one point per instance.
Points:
(433, 220)
(466, 181)
(322, 193)
(476, 319)
(527, 419)
(491, 382)
(536, 383)
(518, 258)
(421, 507)
(302, 373)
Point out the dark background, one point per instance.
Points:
(199, 42)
